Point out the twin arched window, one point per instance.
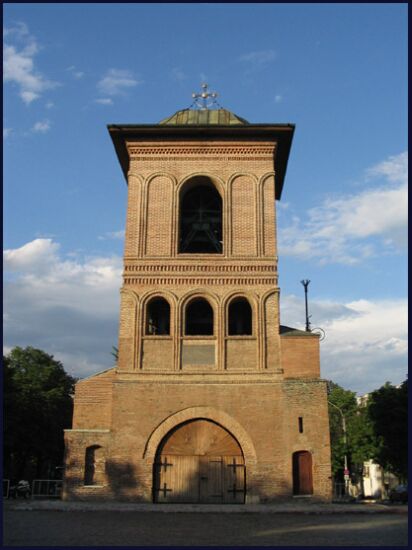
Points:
(199, 318)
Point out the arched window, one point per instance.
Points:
(200, 219)
(199, 318)
(240, 318)
(158, 317)
(90, 464)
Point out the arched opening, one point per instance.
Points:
(91, 469)
(200, 218)
(302, 473)
(158, 317)
(199, 461)
(240, 318)
(199, 318)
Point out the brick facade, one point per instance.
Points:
(256, 386)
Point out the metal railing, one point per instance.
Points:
(6, 488)
(46, 488)
(339, 492)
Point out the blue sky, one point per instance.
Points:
(338, 71)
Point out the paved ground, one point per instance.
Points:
(89, 524)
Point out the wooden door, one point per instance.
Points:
(302, 473)
(177, 479)
(199, 462)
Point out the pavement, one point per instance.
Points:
(293, 507)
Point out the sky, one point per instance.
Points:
(337, 71)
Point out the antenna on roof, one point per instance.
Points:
(316, 330)
(305, 283)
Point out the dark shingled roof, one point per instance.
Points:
(205, 117)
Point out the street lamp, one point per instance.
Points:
(345, 442)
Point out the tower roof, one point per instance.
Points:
(204, 117)
(203, 121)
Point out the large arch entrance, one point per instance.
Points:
(199, 462)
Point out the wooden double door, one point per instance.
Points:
(199, 462)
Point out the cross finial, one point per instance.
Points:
(201, 100)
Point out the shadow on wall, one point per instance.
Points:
(214, 485)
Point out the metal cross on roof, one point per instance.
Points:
(201, 100)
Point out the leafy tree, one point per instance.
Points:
(388, 411)
(37, 408)
(361, 441)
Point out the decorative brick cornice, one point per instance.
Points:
(249, 281)
(209, 152)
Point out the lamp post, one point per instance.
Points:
(345, 442)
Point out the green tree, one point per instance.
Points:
(361, 441)
(388, 411)
(38, 406)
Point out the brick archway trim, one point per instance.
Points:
(193, 413)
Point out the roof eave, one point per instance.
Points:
(281, 133)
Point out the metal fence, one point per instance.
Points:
(47, 488)
(338, 491)
(6, 488)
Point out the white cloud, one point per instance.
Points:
(42, 126)
(75, 73)
(65, 305)
(117, 82)
(349, 229)
(18, 64)
(366, 340)
(278, 98)
(7, 132)
(49, 105)
(35, 255)
(260, 58)
(104, 101)
(112, 235)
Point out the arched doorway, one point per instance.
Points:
(199, 462)
(302, 473)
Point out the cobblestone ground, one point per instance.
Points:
(131, 528)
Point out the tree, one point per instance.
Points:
(388, 411)
(38, 406)
(361, 440)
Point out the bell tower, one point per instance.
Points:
(210, 393)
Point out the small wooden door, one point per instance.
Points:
(209, 475)
(302, 473)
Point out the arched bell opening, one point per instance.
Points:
(199, 461)
(200, 218)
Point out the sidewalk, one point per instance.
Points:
(278, 508)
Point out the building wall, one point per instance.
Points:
(265, 413)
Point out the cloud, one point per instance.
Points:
(66, 305)
(40, 253)
(259, 58)
(349, 229)
(104, 101)
(112, 235)
(49, 105)
(7, 132)
(117, 82)
(278, 98)
(74, 72)
(366, 340)
(18, 64)
(41, 127)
